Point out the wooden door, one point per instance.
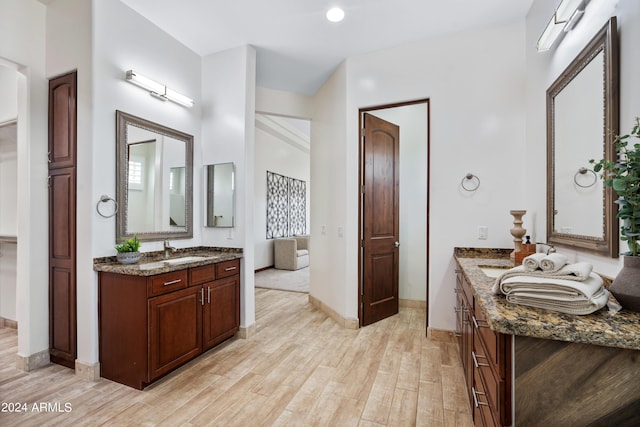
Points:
(221, 310)
(175, 329)
(380, 219)
(62, 220)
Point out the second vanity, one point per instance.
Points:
(530, 367)
(156, 315)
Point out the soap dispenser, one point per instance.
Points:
(528, 247)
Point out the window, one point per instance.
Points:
(136, 167)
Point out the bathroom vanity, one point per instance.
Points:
(531, 367)
(156, 315)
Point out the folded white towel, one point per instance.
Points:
(577, 272)
(561, 289)
(532, 262)
(579, 306)
(553, 262)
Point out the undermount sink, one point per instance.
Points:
(492, 271)
(186, 259)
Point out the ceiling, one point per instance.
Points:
(298, 49)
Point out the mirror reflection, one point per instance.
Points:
(579, 124)
(582, 120)
(220, 195)
(154, 180)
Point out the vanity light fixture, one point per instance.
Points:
(158, 90)
(564, 18)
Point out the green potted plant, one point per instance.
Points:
(623, 175)
(128, 251)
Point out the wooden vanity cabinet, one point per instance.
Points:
(151, 325)
(221, 308)
(486, 360)
(175, 330)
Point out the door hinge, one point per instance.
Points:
(362, 189)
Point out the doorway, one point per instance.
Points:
(413, 120)
(282, 189)
(8, 195)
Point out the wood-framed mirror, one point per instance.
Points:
(582, 121)
(154, 180)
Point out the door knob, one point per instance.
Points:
(397, 244)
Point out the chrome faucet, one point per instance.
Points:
(550, 248)
(168, 249)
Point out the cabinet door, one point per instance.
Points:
(175, 329)
(62, 121)
(221, 310)
(62, 220)
(62, 266)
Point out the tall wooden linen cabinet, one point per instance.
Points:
(62, 219)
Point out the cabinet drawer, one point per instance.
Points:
(489, 338)
(204, 274)
(167, 282)
(483, 414)
(491, 384)
(227, 268)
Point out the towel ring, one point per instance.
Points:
(583, 171)
(104, 199)
(473, 182)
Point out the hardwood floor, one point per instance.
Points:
(299, 369)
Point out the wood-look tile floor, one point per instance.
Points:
(299, 369)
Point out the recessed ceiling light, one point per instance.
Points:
(335, 14)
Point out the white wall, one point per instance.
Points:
(412, 120)
(544, 68)
(116, 39)
(475, 82)
(270, 101)
(228, 117)
(22, 46)
(275, 155)
(328, 280)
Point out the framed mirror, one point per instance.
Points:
(154, 180)
(582, 121)
(220, 195)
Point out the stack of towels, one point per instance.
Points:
(549, 282)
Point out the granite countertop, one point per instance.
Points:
(153, 263)
(621, 330)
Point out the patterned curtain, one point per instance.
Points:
(286, 206)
